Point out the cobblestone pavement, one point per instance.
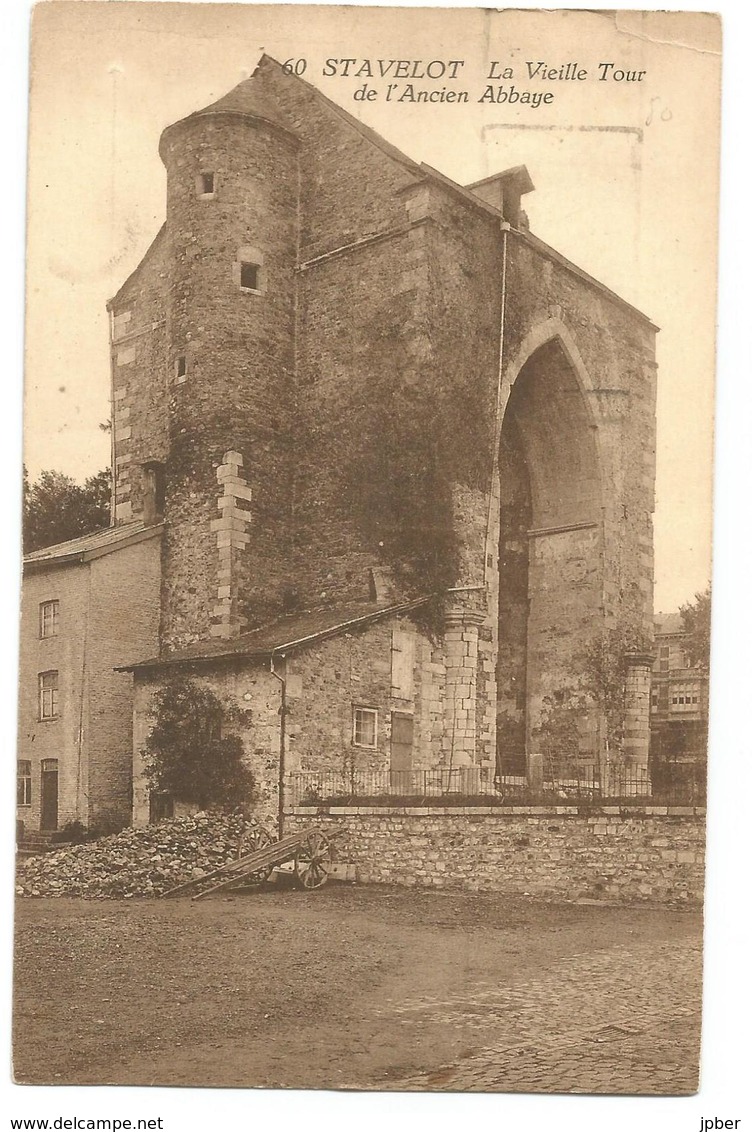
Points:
(358, 988)
(625, 1020)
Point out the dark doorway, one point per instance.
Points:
(48, 817)
(401, 763)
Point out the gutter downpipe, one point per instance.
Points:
(113, 468)
(505, 229)
(282, 737)
(283, 709)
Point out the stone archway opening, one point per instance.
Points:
(550, 591)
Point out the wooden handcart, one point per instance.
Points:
(310, 851)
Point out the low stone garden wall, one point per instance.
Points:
(625, 855)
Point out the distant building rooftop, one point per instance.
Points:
(90, 546)
(669, 623)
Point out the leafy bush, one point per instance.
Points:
(187, 754)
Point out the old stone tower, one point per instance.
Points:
(346, 381)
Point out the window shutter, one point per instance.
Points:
(403, 660)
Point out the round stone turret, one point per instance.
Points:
(232, 208)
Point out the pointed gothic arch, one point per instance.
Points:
(550, 534)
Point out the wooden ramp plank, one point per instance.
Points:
(261, 860)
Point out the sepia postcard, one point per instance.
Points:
(364, 649)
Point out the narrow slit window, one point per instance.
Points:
(181, 367)
(249, 276)
(248, 270)
(207, 183)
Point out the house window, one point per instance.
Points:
(23, 783)
(684, 697)
(663, 657)
(249, 276)
(48, 695)
(49, 612)
(364, 727)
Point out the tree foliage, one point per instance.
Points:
(188, 756)
(606, 673)
(56, 508)
(601, 689)
(695, 617)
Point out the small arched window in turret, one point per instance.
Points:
(206, 185)
(248, 271)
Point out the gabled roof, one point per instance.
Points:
(266, 61)
(545, 249)
(249, 98)
(152, 248)
(280, 637)
(90, 546)
(425, 172)
(666, 623)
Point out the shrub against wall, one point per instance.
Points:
(189, 753)
(602, 687)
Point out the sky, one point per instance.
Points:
(625, 176)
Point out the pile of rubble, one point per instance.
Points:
(135, 862)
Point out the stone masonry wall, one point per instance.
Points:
(139, 369)
(326, 681)
(349, 185)
(237, 346)
(256, 693)
(650, 853)
(359, 402)
(361, 388)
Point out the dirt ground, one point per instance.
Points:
(357, 987)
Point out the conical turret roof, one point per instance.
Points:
(248, 99)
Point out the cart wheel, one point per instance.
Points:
(313, 860)
(255, 836)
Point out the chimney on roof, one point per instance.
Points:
(505, 191)
(382, 584)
